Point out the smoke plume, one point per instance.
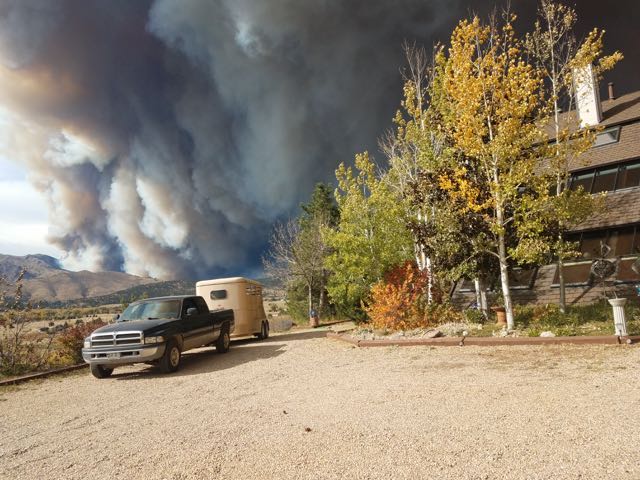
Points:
(168, 136)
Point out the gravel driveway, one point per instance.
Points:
(302, 406)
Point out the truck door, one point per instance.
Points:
(196, 325)
(210, 323)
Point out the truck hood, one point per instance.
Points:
(138, 325)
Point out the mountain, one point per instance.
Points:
(34, 266)
(148, 290)
(46, 281)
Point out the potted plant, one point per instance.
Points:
(500, 311)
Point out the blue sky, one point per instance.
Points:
(23, 214)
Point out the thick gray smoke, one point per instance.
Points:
(168, 136)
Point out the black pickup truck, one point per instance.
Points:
(157, 331)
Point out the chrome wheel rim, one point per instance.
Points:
(174, 356)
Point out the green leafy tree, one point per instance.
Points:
(414, 149)
(319, 214)
(297, 252)
(371, 236)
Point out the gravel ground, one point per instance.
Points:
(303, 406)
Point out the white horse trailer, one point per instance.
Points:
(242, 295)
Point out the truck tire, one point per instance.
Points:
(266, 329)
(100, 371)
(170, 361)
(224, 340)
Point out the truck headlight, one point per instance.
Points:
(87, 343)
(158, 339)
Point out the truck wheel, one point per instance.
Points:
(224, 341)
(100, 371)
(170, 361)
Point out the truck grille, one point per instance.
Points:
(116, 339)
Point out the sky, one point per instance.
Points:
(165, 138)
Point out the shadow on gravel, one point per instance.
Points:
(205, 360)
(285, 337)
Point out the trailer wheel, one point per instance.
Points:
(100, 371)
(224, 341)
(170, 361)
(264, 331)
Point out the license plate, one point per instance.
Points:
(113, 355)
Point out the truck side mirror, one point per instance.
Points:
(116, 317)
(191, 311)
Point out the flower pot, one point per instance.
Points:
(314, 322)
(501, 315)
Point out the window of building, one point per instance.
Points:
(522, 278)
(607, 179)
(625, 271)
(519, 279)
(629, 176)
(590, 243)
(607, 136)
(623, 241)
(584, 180)
(466, 285)
(575, 274)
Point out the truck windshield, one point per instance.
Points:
(151, 310)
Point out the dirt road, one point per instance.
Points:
(302, 406)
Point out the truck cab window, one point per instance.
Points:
(187, 304)
(202, 305)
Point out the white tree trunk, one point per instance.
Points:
(481, 296)
(504, 279)
(424, 263)
(321, 299)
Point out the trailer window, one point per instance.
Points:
(218, 294)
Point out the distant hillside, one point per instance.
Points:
(46, 281)
(48, 284)
(158, 289)
(34, 265)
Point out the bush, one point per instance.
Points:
(598, 315)
(400, 302)
(473, 315)
(550, 315)
(20, 350)
(71, 341)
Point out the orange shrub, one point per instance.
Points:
(399, 301)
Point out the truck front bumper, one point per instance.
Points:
(123, 355)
